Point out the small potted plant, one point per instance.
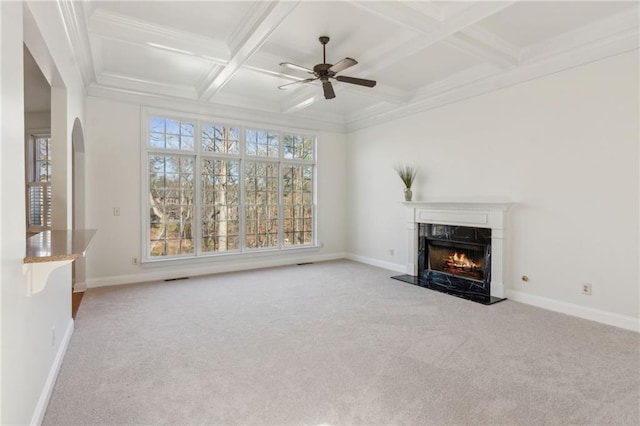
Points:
(407, 175)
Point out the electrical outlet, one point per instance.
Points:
(134, 260)
(586, 289)
(116, 211)
(392, 252)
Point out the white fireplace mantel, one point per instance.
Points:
(480, 214)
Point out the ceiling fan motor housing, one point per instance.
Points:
(322, 71)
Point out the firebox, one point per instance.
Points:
(463, 260)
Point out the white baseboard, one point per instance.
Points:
(609, 318)
(45, 395)
(79, 287)
(178, 271)
(379, 263)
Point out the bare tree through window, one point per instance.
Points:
(216, 188)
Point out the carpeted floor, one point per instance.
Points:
(336, 343)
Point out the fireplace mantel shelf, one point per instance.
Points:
(457, 204)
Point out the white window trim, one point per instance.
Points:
(198, 154)
(31, 135)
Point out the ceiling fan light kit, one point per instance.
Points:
(324, 72)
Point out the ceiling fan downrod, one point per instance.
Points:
(324, 40)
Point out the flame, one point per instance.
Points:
(461, 261)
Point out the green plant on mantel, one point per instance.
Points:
(407, 174)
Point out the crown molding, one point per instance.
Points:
(223, 111)
(459, 79)
(600, 32)
(617, 44)
(73, 18)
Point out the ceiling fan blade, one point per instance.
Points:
(343, 65)
(358, 81)
(328, 90)
(296, 67)
(306, 80)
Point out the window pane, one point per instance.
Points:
(298, 205)
(261, 206)
(298, 147)
(262, 143)
(220, 204)
(42, 159)
(171, 205)
(170, 134)
(220, 139)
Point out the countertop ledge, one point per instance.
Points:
(55, 246)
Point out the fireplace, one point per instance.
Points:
(455, 259)
(457, 248)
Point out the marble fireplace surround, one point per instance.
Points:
(481, 214)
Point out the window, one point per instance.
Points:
(216, 188)
(39, 183)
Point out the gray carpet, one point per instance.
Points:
(336, 343)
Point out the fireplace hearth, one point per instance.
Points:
(453, 249)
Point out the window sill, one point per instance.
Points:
(225, 257)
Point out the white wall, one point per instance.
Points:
(35, 330)
(564, 148)
(113, 149)
(37, 121)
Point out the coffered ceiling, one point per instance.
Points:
(422, 54)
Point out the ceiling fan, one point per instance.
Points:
(324, 72)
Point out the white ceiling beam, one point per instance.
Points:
(467, 18)
(426, 8)
(485, 46)
(245, 44)
(118, 27)
(401, 14)
(139, 85)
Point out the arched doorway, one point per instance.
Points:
(78, 194)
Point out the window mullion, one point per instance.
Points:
(242, 202)
(197, 189)
(280, 203)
